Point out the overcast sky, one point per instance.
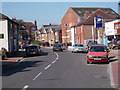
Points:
(47, 12)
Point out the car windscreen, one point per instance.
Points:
(98, 49)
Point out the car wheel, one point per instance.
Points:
(107, 62)
(61, 50)
(88, 62)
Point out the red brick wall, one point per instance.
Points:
(84, 32)
(69, 17)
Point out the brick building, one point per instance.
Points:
(83, 21)
(87, 31)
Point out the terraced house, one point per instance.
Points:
(78, 24)
(49, 33)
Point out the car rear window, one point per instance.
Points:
(57, 45)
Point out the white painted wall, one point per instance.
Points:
(4, 30)
(109, 28)
(72, 36)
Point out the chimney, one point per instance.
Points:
(35, 23)
(14, 18)
(86, 14)
(50, 24)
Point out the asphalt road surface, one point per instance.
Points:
(56, 70)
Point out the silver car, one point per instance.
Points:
(79, 48)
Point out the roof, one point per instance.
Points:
(82, 10)
(90, 19)
(2, 16)
(28, 25)
(49, 25)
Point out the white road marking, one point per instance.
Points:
(56, 58)
(54, 61)
(37, 75)
(48, 66)
(22, 60)
(57, 55)
(25, 87)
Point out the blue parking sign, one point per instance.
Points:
(98, 22)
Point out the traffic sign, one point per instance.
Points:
(98, 22)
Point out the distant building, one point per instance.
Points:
(49, 33)
(78, 23)
(8, 34)
(31, 27)
(26, 29)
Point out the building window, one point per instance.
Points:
(11, 26)
(1, 36)
(70, 24)
(70, 14)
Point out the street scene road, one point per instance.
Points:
(60, 45)
(56, 70)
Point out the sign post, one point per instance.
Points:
(97, 25)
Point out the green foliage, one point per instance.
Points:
(36, 42)
(33, 36)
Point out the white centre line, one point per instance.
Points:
(37, 75)
(56, 55)
(25, 87)
(54, 61)
(48, 66)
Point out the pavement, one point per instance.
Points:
(114, 68)
(113, 65)
(13, 59)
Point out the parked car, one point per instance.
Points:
(63, 46)
(33, 50)
(57, 47)
(97, 53)
(79, 48)
(23, 44)
(114, 44)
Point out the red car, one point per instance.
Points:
(97, 53)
